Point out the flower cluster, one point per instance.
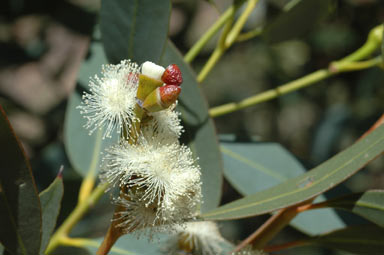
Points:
(201, 238)
(158, 179)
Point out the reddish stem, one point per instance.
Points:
(109, 240)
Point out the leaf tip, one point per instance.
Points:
(60, 173)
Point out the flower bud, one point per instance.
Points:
(161, 98)
(146, 86)
(172, 75)
(152, 70)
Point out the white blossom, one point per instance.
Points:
(249, 251)
(197, 238)
(163, 171)
(112, 98)
(166, 122)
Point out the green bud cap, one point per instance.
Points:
(146, 86)
(161, 98)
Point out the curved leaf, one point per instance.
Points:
(134, 29)
(306, 186)
(252, 167)
(20, 213)
(289, 24)
(369, 205)
(364, 240)
(50, 199)
(200, 132)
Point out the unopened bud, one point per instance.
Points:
(146, 86)
(161, 98)
(152, 70)
(172, 75)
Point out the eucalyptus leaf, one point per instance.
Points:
(362, 240)
(199, 132)
(20, 213)
(251, 167)
(50, 199)
(306, 186)
(369, 205)
(297, 20)
(136, 30)
(130, 244)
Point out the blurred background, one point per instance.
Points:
(43, 43)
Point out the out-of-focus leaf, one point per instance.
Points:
(297, 20)
(136, 30)
(65, 250)
(369, 205)
(328, 132)
(83, 149)
(50, 199)
(382, 49)
(251, 167)
(92, 66)
(20, 211)
(362, 240)
(306, 186)
(130, 245)
(200, 133)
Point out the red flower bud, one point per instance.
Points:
(161, 98)
(169, 94)
(172, 75)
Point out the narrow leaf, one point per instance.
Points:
(289, 24)
(369, 205)
(251, 167)
(20, 211)
(134, 29)
(50, 199)
(200, 133)
(306, 186)
(362, 240)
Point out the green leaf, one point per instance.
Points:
(251, 167)
(20, 213)
(92, 66)
(83, 149)
(362, 240)
(297, 20)
(127, 245)
(369, 205)
(382, 49)
(306, 186)
(200, 132)
(134, 29)
(131, 245)
(50, 199)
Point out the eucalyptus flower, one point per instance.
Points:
(111, 101)
(166, 123)
(162, 171)
(249, 251)
(196, 238)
